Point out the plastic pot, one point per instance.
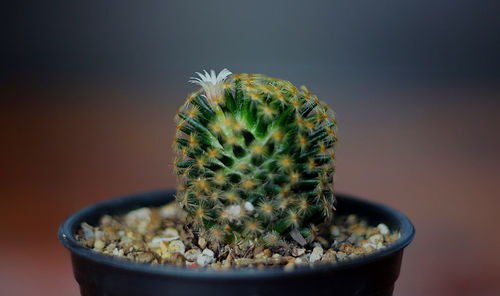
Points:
(98, 274)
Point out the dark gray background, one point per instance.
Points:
(305, 41)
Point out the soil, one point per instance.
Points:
(160, 236)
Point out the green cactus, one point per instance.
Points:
(255, 158)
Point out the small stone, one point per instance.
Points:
(316, 254)
(297, 252)
(353, 238)
(99, 245)
(341, 256)
(144, 257)
(87, 230)
(98, 234)
(170, 232)
(369, 247)
(192, 255)
(118, 252)
(169, 211)
(334, 230)
(241, 262)
(351, 220)
(348, 249)
(177, 259)
(233, 212)
(302, 261)
(139, 220)
(359, 251)
(142, 214)
(262, 255)
(202, 242)
(109, 248)
(205, 258)
(394, 237)
(249, 207)
(384, 230)
(376, 239)
(126, 241)
(276, 258)
(89, 243)
(110, 233)
(329, 256)
(357, 230)
(176, 246)
(353, 256)
(106, 220)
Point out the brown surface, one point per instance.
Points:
(432, 153)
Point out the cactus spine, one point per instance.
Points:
(255, 158)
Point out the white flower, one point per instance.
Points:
(212, 84)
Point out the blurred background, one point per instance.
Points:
(88, 91)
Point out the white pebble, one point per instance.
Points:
(341, 256)
(142, 214)
(299, 252)
(117, 252)
(205, 258)
(301, 261)
(383, 229)
(169, 211)
(233, 212)
(88, 231)
(176, 246)
(192, 255)
(98, 234)
(170, 232)
(316, 254)
(139, 219)
(376, 239)
(99, 245)
(369, 247)
(249, 207)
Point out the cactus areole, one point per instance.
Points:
(255, 159)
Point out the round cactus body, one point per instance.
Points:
(255, 158)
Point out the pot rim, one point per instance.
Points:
(66, 237)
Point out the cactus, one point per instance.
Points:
(255, 158)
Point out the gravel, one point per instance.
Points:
(160, 236)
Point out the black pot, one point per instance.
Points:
(99, 274)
